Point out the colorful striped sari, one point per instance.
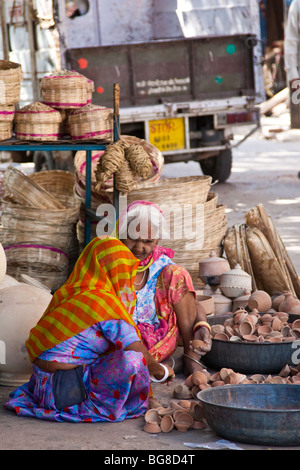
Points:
(99, 288)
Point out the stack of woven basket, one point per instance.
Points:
(71, 94)
(10, 88)
(39, 220)
(197, 224)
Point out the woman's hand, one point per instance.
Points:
(202, 341)
(158, 372)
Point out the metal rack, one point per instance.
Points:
(18, 145)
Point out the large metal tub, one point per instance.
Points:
(250, 358)
(262, 414)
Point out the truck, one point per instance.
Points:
(189, 71)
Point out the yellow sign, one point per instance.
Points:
(167, 134)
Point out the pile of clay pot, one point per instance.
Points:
(256, 326)
(180, 415)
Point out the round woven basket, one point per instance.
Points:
(23, 190)
(37, 121)
(60, 184)
(182, 190)
(6, 130)
(7, 112)
(66, 89)
(10, 82)
(155, 155)
(44, 263)
(91, 122)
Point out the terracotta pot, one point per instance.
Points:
(211, 269)
(278, 299)
(241, 301)
(234, 282)
(289, 302)
(246, 328)
(207, 302)
(167, 423)
(222, 304)
(260, 300)
(21, 308)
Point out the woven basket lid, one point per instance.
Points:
(10, 71)
(90, 112)
(65, 79)
(37, 112)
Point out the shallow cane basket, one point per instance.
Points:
(19, 188)
(37, 121)
(10, 82)
(91, 122)
(66, 89)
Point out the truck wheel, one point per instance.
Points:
(219, 167)
(43, 161)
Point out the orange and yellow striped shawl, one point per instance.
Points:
(99, 288)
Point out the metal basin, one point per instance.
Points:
(249, 358)
(262, 414)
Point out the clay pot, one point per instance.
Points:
(235, 338)
(216, 329)
(296, 325)
(264, 330)
(199, 378)
(207, 290)
(211, 269)
(22, 306)
(164, 411)
(184, 420)
(234, 282)
(295, 309)
(260, 300)
(207, 302)
(277, 324)
(152, 416)
(198, 344)
(181, 392)
(266, 318)
(152, 428)
(250, 338)
(222, 336)
(246, 328)
(239, 316)
(289, 302)
(198, 425)
(167, 423)
(241, 301)
(221, 303)
(278, 299)
(197, 412)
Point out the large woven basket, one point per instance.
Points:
(37, 121)
(66, 89)
(44, 263)
(60, 184)
(21, 189)
(6, 130)
(10, 82)
(91, 122)
(182, 190)
(7, 112)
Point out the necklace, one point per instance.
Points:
(141, 281)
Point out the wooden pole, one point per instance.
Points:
(116, 97)
(4, 32)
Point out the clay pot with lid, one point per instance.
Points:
(211, 269)
(234, 282)
(222, 304)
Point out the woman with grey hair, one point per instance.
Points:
(166, 310)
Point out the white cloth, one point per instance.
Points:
(292, 42)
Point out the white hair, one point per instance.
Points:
(142, 216)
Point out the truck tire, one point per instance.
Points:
(219, 167)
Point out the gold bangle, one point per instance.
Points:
(199, 324)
